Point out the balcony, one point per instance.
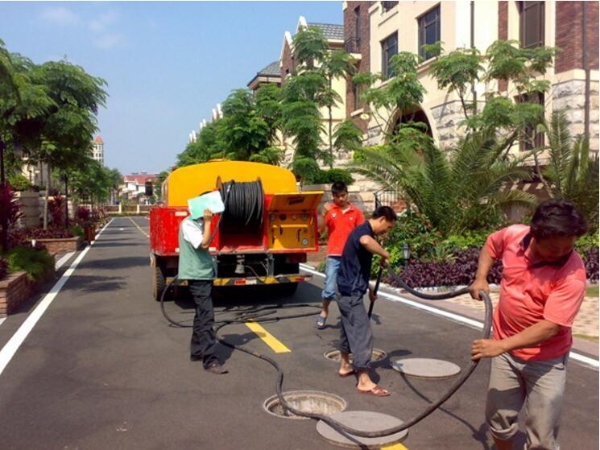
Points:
(352, 45)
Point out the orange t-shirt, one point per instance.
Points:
(530, 293)
(339, 225)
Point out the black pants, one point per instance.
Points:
(204, 338)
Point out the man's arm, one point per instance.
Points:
(372, 246)
(530, 336)
(483, 269)
(206, 232)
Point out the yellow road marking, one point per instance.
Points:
(394, 447)
(268, 338)
(138, 227)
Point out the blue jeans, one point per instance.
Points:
(332, 265)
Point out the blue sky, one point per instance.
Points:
(167, 64)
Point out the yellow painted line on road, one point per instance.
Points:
(268, 338)
(394, 447)
(138, 227)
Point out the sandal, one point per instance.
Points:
(347, 374)
(377, 391)
(321, 321)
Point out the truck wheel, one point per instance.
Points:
(158, 283)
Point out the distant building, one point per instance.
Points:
(98, 150)
(134, 186)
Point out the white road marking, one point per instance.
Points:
(586, 360)
(11, 347)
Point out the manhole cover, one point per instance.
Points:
(377, 355)
(314, 402)
(425, 368)
(363, 421)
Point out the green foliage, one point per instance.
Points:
(573, 173)
(416, 230)
(587, 242)
(77, 231)
(469, 239)
(37, 263)
(19, 182)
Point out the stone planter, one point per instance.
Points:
(62, 246)
(14, 290)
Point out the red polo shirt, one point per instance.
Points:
(339, 225)
(532, 292)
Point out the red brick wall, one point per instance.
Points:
(14, 290)
(569, 35)
(365, 35)
(502, 34)
(503, 20)
(287, 62)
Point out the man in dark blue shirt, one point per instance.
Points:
(356, 336)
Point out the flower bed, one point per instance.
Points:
(61, 246)
(16, 288)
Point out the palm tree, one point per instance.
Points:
(572, 173)
(465, 188)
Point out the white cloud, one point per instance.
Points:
(108, 41)
(59, 15)
(103, 22)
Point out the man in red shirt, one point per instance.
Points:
(543, 285)
(340, 218)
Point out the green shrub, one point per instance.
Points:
(36, 262)
(19, 182)
(77, 231)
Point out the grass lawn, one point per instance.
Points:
(592, 291)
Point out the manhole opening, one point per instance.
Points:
(314, 402)
(377, 355)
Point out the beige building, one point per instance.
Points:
(392, 27)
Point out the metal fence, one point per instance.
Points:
(389, 197)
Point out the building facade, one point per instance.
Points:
(98, 150)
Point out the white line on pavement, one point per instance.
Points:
(11, 347)
(594, 363)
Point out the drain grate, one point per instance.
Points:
(314, 402)
(376, 356)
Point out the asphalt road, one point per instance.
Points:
(95, 365)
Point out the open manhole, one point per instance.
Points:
(377, 355)
(314, 402)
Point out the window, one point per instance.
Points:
(352, 44)
(531, 24)
(386, 6)
(429, 30)
(356, 91)
(389, 48)
(531, 138)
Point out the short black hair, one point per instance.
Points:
(339, 187)
(557, 218)
(387, 212)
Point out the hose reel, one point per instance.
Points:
(244, 206)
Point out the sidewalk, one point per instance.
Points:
(585, 328)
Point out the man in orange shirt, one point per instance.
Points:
(543, 285)
(340, 218)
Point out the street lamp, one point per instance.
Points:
(406, 253)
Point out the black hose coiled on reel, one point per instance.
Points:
(244, 207)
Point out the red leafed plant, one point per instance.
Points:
(10, 208)
(56, 208)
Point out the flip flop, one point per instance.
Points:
(344, 375)
(321, 321)
(377, 391)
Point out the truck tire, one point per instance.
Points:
(158, 283)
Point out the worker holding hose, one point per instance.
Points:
(197, 266)
(356, 336)
(542, 287)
